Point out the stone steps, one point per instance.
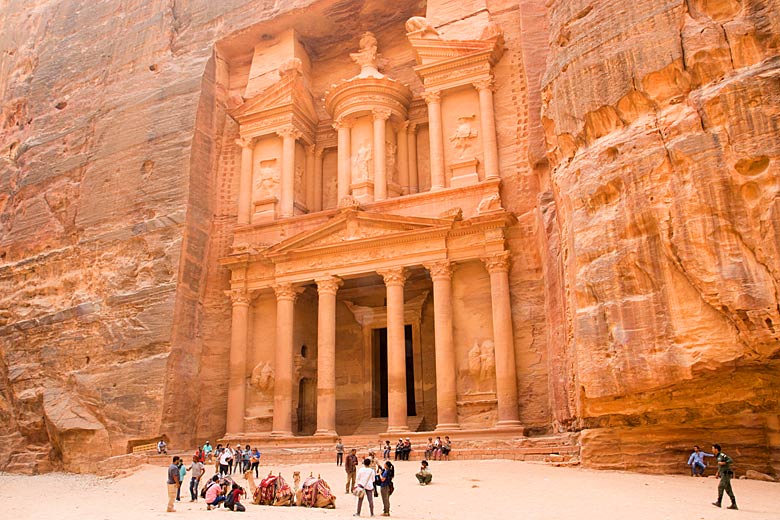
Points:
(377, 425)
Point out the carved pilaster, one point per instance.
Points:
(497, 262)
(328, 284)
(393, 275)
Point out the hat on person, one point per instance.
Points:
(407, 438)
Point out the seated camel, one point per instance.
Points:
(315, 492)
(273, 491)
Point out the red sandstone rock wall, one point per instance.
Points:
(663, 225)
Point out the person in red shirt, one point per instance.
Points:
(234, 498)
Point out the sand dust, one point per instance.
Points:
(460, 490)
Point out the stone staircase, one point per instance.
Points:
(377, 425)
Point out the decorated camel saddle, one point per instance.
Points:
(273, 491)
(315, 492)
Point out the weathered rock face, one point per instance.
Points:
(661, 121)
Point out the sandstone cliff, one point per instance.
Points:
(662, 214)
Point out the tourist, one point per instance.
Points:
(351, 468)
(200, 454)
(233, 500)
(173, 482)
(162, 448)
(407, 449)
(386, 486)
(429, 448)
(246, 457)
(254, 460)
(424, 476)
(238, 454)
(196, 469)
(225, 460)
(182, 476)
(386, 451)
(208, 451)
(696, 462)
(446, 448)
(339, 452)
(214, 494)
(399, 448)
(725, 473)
(437, 448)
(364, 486)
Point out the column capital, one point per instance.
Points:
(239, 297)
(287, 291)
(402, 127)
(245, 142)
(328, 284)
(342, 122)
(497, 262)
(381, 113)
(432, 96)
(440, 269)
(487, 83)
(289, 131)
(412, 128)
(393, 275)
(311, 149)
(319, 151)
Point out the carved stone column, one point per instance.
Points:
(286, 295)
(380, 149)
(310, 178)
(318, 153)
(245, 181)
(396, 350)
(446, 376)
(411, 135)
(344, 129)
(326, 355)
(403, 157)
(487, 121)
(436, 135)
(287, 197)
(506, 372)
(237, 378)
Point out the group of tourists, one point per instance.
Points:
(723, 472)
(368, 482)
(228, 460)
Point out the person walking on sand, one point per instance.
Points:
(364, 483)
(725, 472)
(696, 461)
(173, 482)
(196, 469)
(339, 452)
(386, 486)
(351, 468)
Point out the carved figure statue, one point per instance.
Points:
(490, 203)
(464, 134)
(360, 162)
(390, 155)
(482, 364)
(266, 181)
(367, 57)
(421, 25)
(293, 65)
(300, 188)
(263, 377)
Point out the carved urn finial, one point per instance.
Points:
(367, 57)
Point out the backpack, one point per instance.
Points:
(230, 500)
(205, 488)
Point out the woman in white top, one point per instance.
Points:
(364, 481)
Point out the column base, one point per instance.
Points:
(447, 426)
(326, 433)
(436, 188)
(508, 424)
(397, 429)
(282, 434)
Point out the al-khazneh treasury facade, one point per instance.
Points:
(369, 272)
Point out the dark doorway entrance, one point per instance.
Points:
(307, 407)
(379, 383)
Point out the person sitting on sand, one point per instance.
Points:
(424, 476)
(214, 495)
(233, 500)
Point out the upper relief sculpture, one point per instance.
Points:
(464, 135)
(361, 163)
(368, 57)
(422, 26)
(266, 181)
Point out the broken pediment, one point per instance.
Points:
(352, 226)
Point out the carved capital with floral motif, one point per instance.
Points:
(485, 84)
(245, 142)
(440, 270)
(328, 284)
(342, 122)
(497, 262)
(432, 96)
(287, 291)
(289, 131)
(393, 276)
(381, 114)
(239, 297)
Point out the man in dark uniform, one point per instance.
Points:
(724, 470)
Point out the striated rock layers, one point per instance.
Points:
(639, 146)
(661, 120)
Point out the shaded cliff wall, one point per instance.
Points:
(662, 121)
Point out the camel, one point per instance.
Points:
(315, 492)
(273, 491)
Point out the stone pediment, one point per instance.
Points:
(353, 226)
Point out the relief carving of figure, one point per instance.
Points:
(464, 135)
(482, 365)
(489, 203)
(390, 155)
(421, 25)
(266, 181)
(263, 377)
(300, 189)
(361, 163)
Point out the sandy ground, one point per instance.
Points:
(460, 490)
